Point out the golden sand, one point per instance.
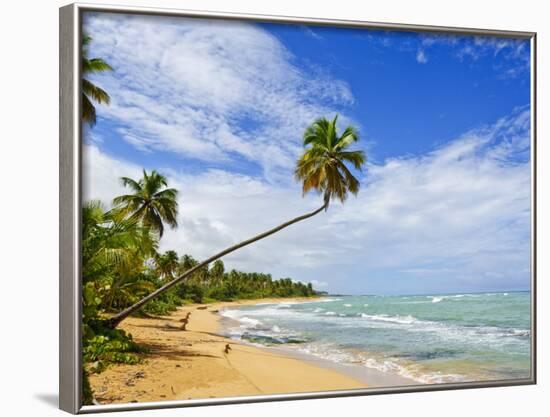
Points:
(192, 364)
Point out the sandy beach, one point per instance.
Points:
(193, 364)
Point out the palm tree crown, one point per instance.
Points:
(151, 202)
(322, 166)
(167, 264)
(89, 90)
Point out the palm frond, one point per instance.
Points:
(89, 90)
(95, 65)
(349, 136)
(155, 221)
(357, 158)
(129, 182)
(170, 193)
(97, 94)
(88, 111)
(352, 183)
(322, 166)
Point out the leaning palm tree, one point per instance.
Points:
(90, 91)
(322, 167)
(151, 203)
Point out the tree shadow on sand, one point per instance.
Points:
(161, 351)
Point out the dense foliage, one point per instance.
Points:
(122, 268)
(214, 284)
(121, 264)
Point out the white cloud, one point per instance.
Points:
(421, 57)
(101, 175)
(222, 91)
(212, 90)
(319, 284)
(312, 33)
(460, 214)
(513, 54)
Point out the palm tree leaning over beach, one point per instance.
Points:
(90, 91)
(322, 167)
(151, 203)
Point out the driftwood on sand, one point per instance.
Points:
(184, 321)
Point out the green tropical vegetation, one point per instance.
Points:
(121, 264)
(151, 203)
(123, 272)
(322, 168)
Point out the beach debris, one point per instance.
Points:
(186, 318)
(227, 349)
(202, 308)
(130, 382)
(172, 388)
(184, 321)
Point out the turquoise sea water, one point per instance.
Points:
(427, 338)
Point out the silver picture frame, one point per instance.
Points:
(70, 189)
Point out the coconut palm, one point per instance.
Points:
(113, 251)
(90, 91)
(108, 241)
(167, 264)
(151, 203)
(322, 167)
(217, 271)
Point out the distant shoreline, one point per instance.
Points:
(426, 294)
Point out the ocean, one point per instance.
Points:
(424, 338)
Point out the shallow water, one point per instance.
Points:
(428, 338)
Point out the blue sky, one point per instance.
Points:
(407, 105)
(219, 107)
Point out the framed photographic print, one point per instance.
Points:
(259, 208)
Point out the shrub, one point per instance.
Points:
(105, 346)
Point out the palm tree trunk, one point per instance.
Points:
(116, 319)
